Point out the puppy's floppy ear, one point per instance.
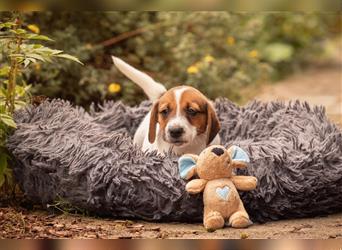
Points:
(213, 124)
(153, 123)
(239, 157)
(187, 165)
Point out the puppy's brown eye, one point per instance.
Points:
(164, 112)
(191, 112)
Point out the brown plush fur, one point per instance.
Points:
(219, 185)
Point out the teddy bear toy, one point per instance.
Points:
(216, 179)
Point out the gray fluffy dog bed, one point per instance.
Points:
(88, 159)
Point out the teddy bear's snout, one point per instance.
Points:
(218, 151)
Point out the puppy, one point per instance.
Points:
(182, 119)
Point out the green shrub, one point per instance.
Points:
(19, 49)
(218, 52)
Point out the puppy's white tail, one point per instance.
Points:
(151, 88)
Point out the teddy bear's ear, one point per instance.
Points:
(187, 165)
(239, 157)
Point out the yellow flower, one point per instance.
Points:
(114, 88)
(230, 40)
(34, 28)
(208, 58)
(192, 69)
(253, 53)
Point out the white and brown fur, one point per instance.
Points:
(182, 111)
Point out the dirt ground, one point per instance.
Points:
(18, 223)
(319, 85)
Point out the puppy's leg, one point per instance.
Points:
(141, 137)
(142, 131)
(151, 88)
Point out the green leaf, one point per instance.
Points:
(37, 46)
(17, 55)
(56, 52)
(8, 120)
(20, 91)
(43, 49)
(69, 57)
(18, 32)
(36, 56)
(2, 92)
(27, 87)
(4, 71)
(277, 52)
(19, 104)
(26, 62)
(38, 37)
(21, 31)
(8, 24)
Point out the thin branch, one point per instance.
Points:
(122, 37)
(129, 34)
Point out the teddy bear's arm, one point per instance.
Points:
(244, 183)
(195, 186)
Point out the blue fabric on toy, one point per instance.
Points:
(223, 192)
(185, 163)
(238, 154)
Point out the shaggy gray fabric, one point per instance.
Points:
(88, 159)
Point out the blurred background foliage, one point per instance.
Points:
(218, 52)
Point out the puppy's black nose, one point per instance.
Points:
(217, 151)
(176, 132)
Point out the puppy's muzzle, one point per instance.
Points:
(176, 132)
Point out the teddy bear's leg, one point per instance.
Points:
(240, 218)
(212, 220)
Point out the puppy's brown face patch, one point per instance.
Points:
(167, 108)
(193, 105)
(183, 108)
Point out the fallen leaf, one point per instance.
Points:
(153, 229)
(59, 226)
(244, 236)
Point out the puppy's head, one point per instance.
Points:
(183, 113)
